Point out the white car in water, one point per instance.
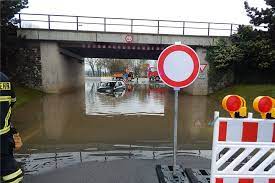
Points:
(111, 86)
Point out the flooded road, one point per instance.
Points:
(87, 126)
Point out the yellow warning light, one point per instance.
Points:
(265, 105)
(235, 105)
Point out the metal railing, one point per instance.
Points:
(106, 24)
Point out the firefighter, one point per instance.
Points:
(10, 139)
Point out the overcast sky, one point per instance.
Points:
(228, 11)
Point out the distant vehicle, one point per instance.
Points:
(126, 75)
(118, 76)
(130, 76)
(111, 86)
(153, 74)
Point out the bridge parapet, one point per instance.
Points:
(125, 25)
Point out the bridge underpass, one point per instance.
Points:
(62, 63)
(61, 51)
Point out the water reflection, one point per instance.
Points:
(61, 119)
(119, 93)
(55, 115)
(142, 116)
(136, 99)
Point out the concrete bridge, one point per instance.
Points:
(62, 49)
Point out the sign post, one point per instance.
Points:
(178, 67)
(175, 129)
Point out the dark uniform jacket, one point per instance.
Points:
(7, 100)
(10, 171)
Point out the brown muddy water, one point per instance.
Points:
(61, 130)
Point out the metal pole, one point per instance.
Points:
(49, 22)
(105, 25)
(208, 29)
(77, 23)
(132, 23)
(158, 26)
(20, 25)
(183, 26)
(175, 128)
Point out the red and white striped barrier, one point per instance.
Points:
(243, 151)
(235, 130)
(244, 180)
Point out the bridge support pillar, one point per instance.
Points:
(60, 73)
(200, 85)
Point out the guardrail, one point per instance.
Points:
(106, 24)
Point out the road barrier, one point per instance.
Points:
(243, 148)
(243, 151)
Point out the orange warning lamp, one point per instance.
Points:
(265, 105)
(235, 105)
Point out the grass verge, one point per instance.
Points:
(248, 92)
(23, 95)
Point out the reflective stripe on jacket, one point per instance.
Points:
(7, 100)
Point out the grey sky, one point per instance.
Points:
(231, 11)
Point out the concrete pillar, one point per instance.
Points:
(200, 86)
(60, 73)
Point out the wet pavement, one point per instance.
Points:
(84, 126)
(37, 163)
(117, 171)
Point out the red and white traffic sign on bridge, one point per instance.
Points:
(178, 66)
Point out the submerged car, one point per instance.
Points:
(111, 86)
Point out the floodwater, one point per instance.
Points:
(61, 130)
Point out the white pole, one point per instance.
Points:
(216, 115)
(250, 115)
(214, 144)
(175, 128)
(176, 124)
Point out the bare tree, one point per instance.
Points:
(99, 66)
(106, 66)
(116, 65)
(92, 64)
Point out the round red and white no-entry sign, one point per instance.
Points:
(178, 66)
(128, 38)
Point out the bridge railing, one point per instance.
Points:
(106, 24)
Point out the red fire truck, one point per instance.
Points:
(152, 74)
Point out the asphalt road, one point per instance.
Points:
(117, 171)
